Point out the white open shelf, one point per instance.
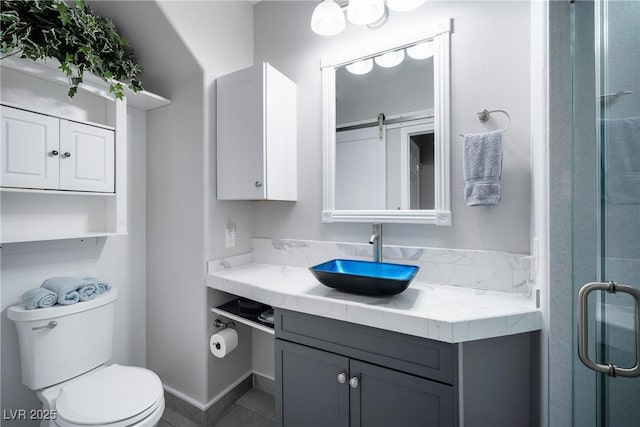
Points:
(65, 236)
(48, 70)
(60, 192)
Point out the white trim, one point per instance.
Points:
(406, 132)
(389, 216)
(441, 215)
(441, 26)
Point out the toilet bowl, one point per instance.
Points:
(113, 396)
(64, 351)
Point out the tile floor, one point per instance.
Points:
(254, 409)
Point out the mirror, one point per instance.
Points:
(386, 132)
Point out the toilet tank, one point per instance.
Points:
(80, 339)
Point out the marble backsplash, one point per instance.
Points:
(489, 270)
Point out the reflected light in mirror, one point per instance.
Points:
(363, 12)
(421, 51)
(327, 19)
(390, 59)
(360, 67)
(404, 5)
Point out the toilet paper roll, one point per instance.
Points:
(223, 342)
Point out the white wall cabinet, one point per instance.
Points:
(44, 152)
(30, 146)
(45, 193)
(87, 158)
(256, 135)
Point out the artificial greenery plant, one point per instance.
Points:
(80, 40)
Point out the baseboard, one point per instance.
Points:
(207, 414)
(264, 382)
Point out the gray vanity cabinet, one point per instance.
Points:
(313, 396)
(385, 397)
(331, 373)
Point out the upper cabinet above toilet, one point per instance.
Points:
(256, 135)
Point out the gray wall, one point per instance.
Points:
(190, 44)
(490, 69)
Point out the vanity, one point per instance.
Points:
(448, 355)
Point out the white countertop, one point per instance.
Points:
(445, 313)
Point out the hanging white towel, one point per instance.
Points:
(482, 166)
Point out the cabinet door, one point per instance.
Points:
(86, 158)
(30, 146)
(308, 392)
(384, 397)
(241, 135)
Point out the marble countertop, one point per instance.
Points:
(445, 313)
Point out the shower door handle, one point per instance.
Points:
(583, 328)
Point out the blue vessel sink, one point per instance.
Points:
(365, 277)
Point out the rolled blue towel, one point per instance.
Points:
(65, 287)
(88, 291)
(39, 298)
(102, 286)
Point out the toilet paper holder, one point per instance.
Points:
(222, 325)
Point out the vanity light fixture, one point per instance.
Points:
(390, 59)
(360, 67)
(404, 5)
(327, 19)
(421, 51)
(363, 12)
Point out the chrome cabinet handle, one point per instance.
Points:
(258, 184)
(54, 153)
(583, 328)
(353, 382)
(67, 154)
(49, 325)
(342, 378)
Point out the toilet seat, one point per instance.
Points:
(115, 396)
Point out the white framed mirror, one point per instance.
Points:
(386, 131)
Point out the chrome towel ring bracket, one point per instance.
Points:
(484, 116)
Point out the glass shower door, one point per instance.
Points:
(606, 218)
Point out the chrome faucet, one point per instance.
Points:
(376, 241)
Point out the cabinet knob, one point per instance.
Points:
(353, 382)
(54, 153)
(258, 184)
(67, 154)
(342, 378)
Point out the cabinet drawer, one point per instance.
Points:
(418, 356)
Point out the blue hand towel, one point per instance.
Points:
(39, 298)
(101, 286)
(482, 165)
(88, 291)
(65, 287)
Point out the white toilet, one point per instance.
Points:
(63, 350)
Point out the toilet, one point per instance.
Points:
(63, 351)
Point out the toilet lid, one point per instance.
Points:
(109, 395)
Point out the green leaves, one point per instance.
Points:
(80, 40)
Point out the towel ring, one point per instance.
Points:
(484, 116)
